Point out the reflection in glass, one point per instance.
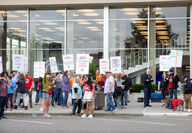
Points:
(128, 13)
(13, 38)
(128, 38)
(6, 15)
(47, 14)
(167, 12)
(46, 40)
(172, 34)
(75, 14)
(85, 32)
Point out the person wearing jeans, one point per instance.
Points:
(173, 80)
(3, 93)
(66, 88)
(127, 82)
(187, 93)
(10, 92)
(109, 90)
(29, 87)
(57, 90)
(147, 88)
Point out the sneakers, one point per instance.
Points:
(84, 116)
(66, 107)
(47, 116)
(125, 106)
(90, 116)
(107, 110)
(189, 110)
(3, 117)
(114, 110)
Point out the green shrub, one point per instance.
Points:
(138, 87)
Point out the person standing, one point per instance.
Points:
(101, 83)
(173, 83)
(3, 93)
(57, 90)
(119, 91)
(109, 90)
(29, 86)
(66, 88)
(21, 91)
(127, 83)
(10, 92)
(163, 86)
(72, 79)
(147, 87)
(88, 87)
(187, 93)
(77, 96)
(14, 77)
(46, 93)
(40, 89)
(98, 76)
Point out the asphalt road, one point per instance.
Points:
(100, 124)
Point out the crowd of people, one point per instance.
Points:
(54, 89)
(16, 91)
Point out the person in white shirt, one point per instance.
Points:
(109, 90)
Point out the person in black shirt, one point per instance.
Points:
(127, 83)
(164, 86)
(147, 87)
(187, 93)
(173, 80)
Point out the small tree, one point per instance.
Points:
(92, 69)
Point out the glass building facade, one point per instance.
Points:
(139, 34)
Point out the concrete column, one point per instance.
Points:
(191, 41)
(122, 42)
(152, 45)
(106, 33)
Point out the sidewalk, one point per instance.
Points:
(133, 109)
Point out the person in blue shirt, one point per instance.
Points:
(77, 97)
(10, 92)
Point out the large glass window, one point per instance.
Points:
(85, 32)
(128, 35)
(47, 35)
(13, 35)
(169, 30)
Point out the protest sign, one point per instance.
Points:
(53, 64)
(164, 63)
(18, 63)
(116, 64)
(103, 65)
(82, 64)
(68, 62)
(39, 69)
(176, 58)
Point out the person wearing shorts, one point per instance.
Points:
(46, 94)
(88, 86)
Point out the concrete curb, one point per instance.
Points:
(108, 114)
(69, 114)
(167, 114)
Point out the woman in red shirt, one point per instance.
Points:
(89, 90)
